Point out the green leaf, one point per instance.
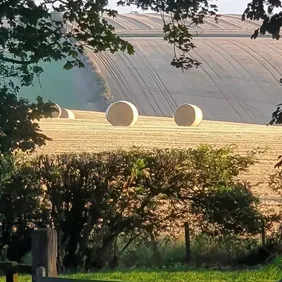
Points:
(68, 65)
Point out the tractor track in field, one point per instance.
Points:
(156, 105)
(228, 86)
(160, 85)
(115, 74)
(234, 83)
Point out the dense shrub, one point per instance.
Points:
(96, 201)
(20, 205)
(275, 185)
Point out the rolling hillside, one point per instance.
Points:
(238, 80)
(152, 24)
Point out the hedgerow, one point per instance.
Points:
(99, 203)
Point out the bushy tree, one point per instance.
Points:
(264, 10)
(97, 200)
(21, 205)
(18, 126)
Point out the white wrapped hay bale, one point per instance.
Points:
(122, 113)
(67, 114)
(58, 112)
(188, 115)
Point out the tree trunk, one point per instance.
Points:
(157, 258)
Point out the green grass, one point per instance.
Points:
(188, 275)
(270, 273)
(136, 265)
(204, 251)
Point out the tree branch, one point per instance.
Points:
(14, 61)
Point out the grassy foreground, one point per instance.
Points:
(181, 276)
(265, 274)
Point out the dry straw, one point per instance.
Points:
(122, 113)
(58, 112)
(67, 114)
(188, 115)
(62, 113)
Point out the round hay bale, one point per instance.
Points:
(67, 114)
(188, 115)
(122, 113)
(58, 112)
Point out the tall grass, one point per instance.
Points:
(204, 251)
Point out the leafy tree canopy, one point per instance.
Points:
(264, 10)
(51, 30)
(271, 19)
(31, 33)
(18, 129)
(39, 35)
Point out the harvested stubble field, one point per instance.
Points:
(90, 132)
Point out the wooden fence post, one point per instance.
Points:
(187, 243)
(44, 252)
(12, 272)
